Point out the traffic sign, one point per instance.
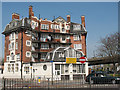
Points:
(82, 59)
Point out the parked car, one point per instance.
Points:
(101, 77)
(110, 72)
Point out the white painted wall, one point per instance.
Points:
(14, 74)
(40, 72)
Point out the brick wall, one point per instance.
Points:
(6, 50)
(82, 41)
(26, 48)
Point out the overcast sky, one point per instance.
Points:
(101, 18)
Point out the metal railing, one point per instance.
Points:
(58, 83)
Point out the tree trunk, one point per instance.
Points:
(114, 68)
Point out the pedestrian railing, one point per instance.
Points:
(56, 83)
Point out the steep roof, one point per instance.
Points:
(16, 25)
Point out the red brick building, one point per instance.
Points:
(30, 39)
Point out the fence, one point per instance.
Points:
(47, 83)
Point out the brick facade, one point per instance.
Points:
(63, 32)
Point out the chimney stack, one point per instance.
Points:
(68, 18)
(45, 19)
(15, 16)
(31, 13)
(83, 20)
(40, 18)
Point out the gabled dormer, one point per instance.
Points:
(59, 20)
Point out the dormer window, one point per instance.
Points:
(45, 26)
(61, 55)
(52, 26)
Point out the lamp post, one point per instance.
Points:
(52, 71)
(31, 69)
(21, 50)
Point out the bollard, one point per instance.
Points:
(48, 82)
(90, 82)
(38, 79)
(4, 83)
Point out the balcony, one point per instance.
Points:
(52, 32)
(55, 41)
(42, 50)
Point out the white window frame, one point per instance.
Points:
(8, 58)
(52, 26)
(28, 33)
(16, 35)
(57, 36)
(80, 37)
(27, 69)
(16, 45)
(76, 37)
(67, 37)
(18, 57)
(44, 26)
(10, 37)
(43, 56)
(12, 56)
(44, 46)
(12, 45)
(9, 45)
(77, 46)
(27, 43)
(63, 38)
(29, 53)
(68, 27)
(36, 24)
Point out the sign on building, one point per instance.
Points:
(71, 60)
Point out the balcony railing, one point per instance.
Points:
(54, 41)
(43, 50)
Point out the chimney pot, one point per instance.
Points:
(31, 13)
(45, 19)
(40, 18)
(83, 20)
(68, 18)
(15, 16)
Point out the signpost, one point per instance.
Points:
(82, 60)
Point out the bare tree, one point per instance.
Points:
(110, 48)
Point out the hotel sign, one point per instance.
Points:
(71, 60)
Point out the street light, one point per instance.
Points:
(21, 51)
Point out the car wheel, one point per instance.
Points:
(113, 81)
(92, 82)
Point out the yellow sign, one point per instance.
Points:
(38, 80)
(71, 60)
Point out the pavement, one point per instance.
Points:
(0, 83)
